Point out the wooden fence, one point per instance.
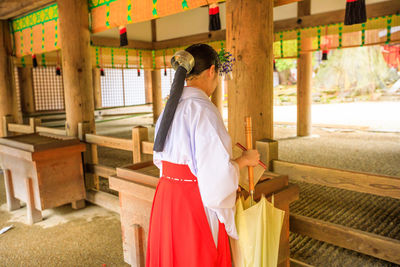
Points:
(367, 243)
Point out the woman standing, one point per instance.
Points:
(193, 208)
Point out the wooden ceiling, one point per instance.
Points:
(14, 8)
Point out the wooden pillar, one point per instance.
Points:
(304, 78)
(147, 86)
(26, 87)
(76, 64)
(249, 30)
(6, 89)
(97, 88)
(304, 84)
(218, 96)
(156, 81)
(156, 94)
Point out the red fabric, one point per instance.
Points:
(122, 30)
(213, 10)
(179, 233)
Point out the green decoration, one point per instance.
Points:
(363, 34)
(43, 47)
(140, 59)
(298, 43)
(35, 18)
(23, 62)
(185, 5)
(129, 8)
(165, 63)
(155, 9)
(153, 55)
(31, 40)
(56, 34)
(43, 60)
(126, 58)
(98, 3)
(281, 43)
(319, 38)
(112, 57)
(389, 29)
(97, 58)
(108, 15)
(340, 36)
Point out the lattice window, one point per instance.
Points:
(17, 88)
(134, 88)
(48, 89)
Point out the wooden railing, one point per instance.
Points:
(370, 244)
(34, 126)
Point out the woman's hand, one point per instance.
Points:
(248, 158)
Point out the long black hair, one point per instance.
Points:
(204, 57)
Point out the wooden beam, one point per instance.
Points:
(12, 8)
(355, 181)
(147, 147)
(366, 243)
(114, 42)
(284, 2)
(373, 10)
(111, 142)
(192, 39)
(304, 8)
(100, 170)
(41, 129)
(104, 200)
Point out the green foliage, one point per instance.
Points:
(284, 64)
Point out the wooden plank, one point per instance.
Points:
(41, 129)
(20, 128)
(139, 134)
(114, 42)
(297, 263)
(367, 243)
(141, 191)
(192, 39)
(104, 200)
(284, 2)
(356, 181)
(373, 10)
(100, 170)
(11, 8)
(111, 142)
(147, 147)
(138, 177)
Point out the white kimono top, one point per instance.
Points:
(198, 138)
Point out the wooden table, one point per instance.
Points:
(43, 170)
(136, 185)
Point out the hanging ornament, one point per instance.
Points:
(34, 61)
(102, 72)
(58, 68)
(165, 64)
(325, 54)
(215, 22)
(355, 12)
(139, 56)
(123, 37)
(275, 66)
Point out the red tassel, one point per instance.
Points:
(275, 66)
(215, 22)
(58, 71)
(138, 72)
(325, 54)
(34, 61)
(123, 37)
(165, 72)
(102, 72)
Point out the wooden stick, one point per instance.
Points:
(249, 141)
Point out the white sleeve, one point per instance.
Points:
(217, 174)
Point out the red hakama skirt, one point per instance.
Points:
(179, 233)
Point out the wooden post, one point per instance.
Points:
(139, 134)
(147, 86)
(268, 150)
(156, 81)
(90, 156)
(12, 202)
(97, 88)
(33, 122)
(26, 87)
(304, 79)
(6, 89)
(249, 32)
(76, 64)
(4, 127)
(218, 96)
(33, 214)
